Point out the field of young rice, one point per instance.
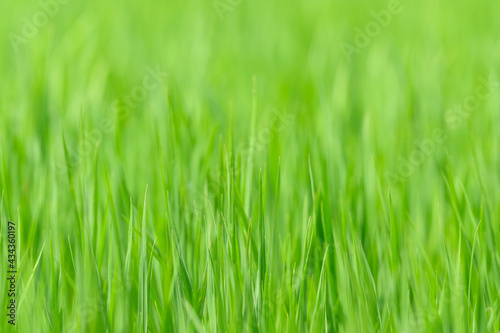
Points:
(250, 166)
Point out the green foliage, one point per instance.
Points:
(227, 167)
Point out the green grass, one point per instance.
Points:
(263, 181)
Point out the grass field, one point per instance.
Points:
(250, 166)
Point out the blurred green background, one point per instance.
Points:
(291, 185)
